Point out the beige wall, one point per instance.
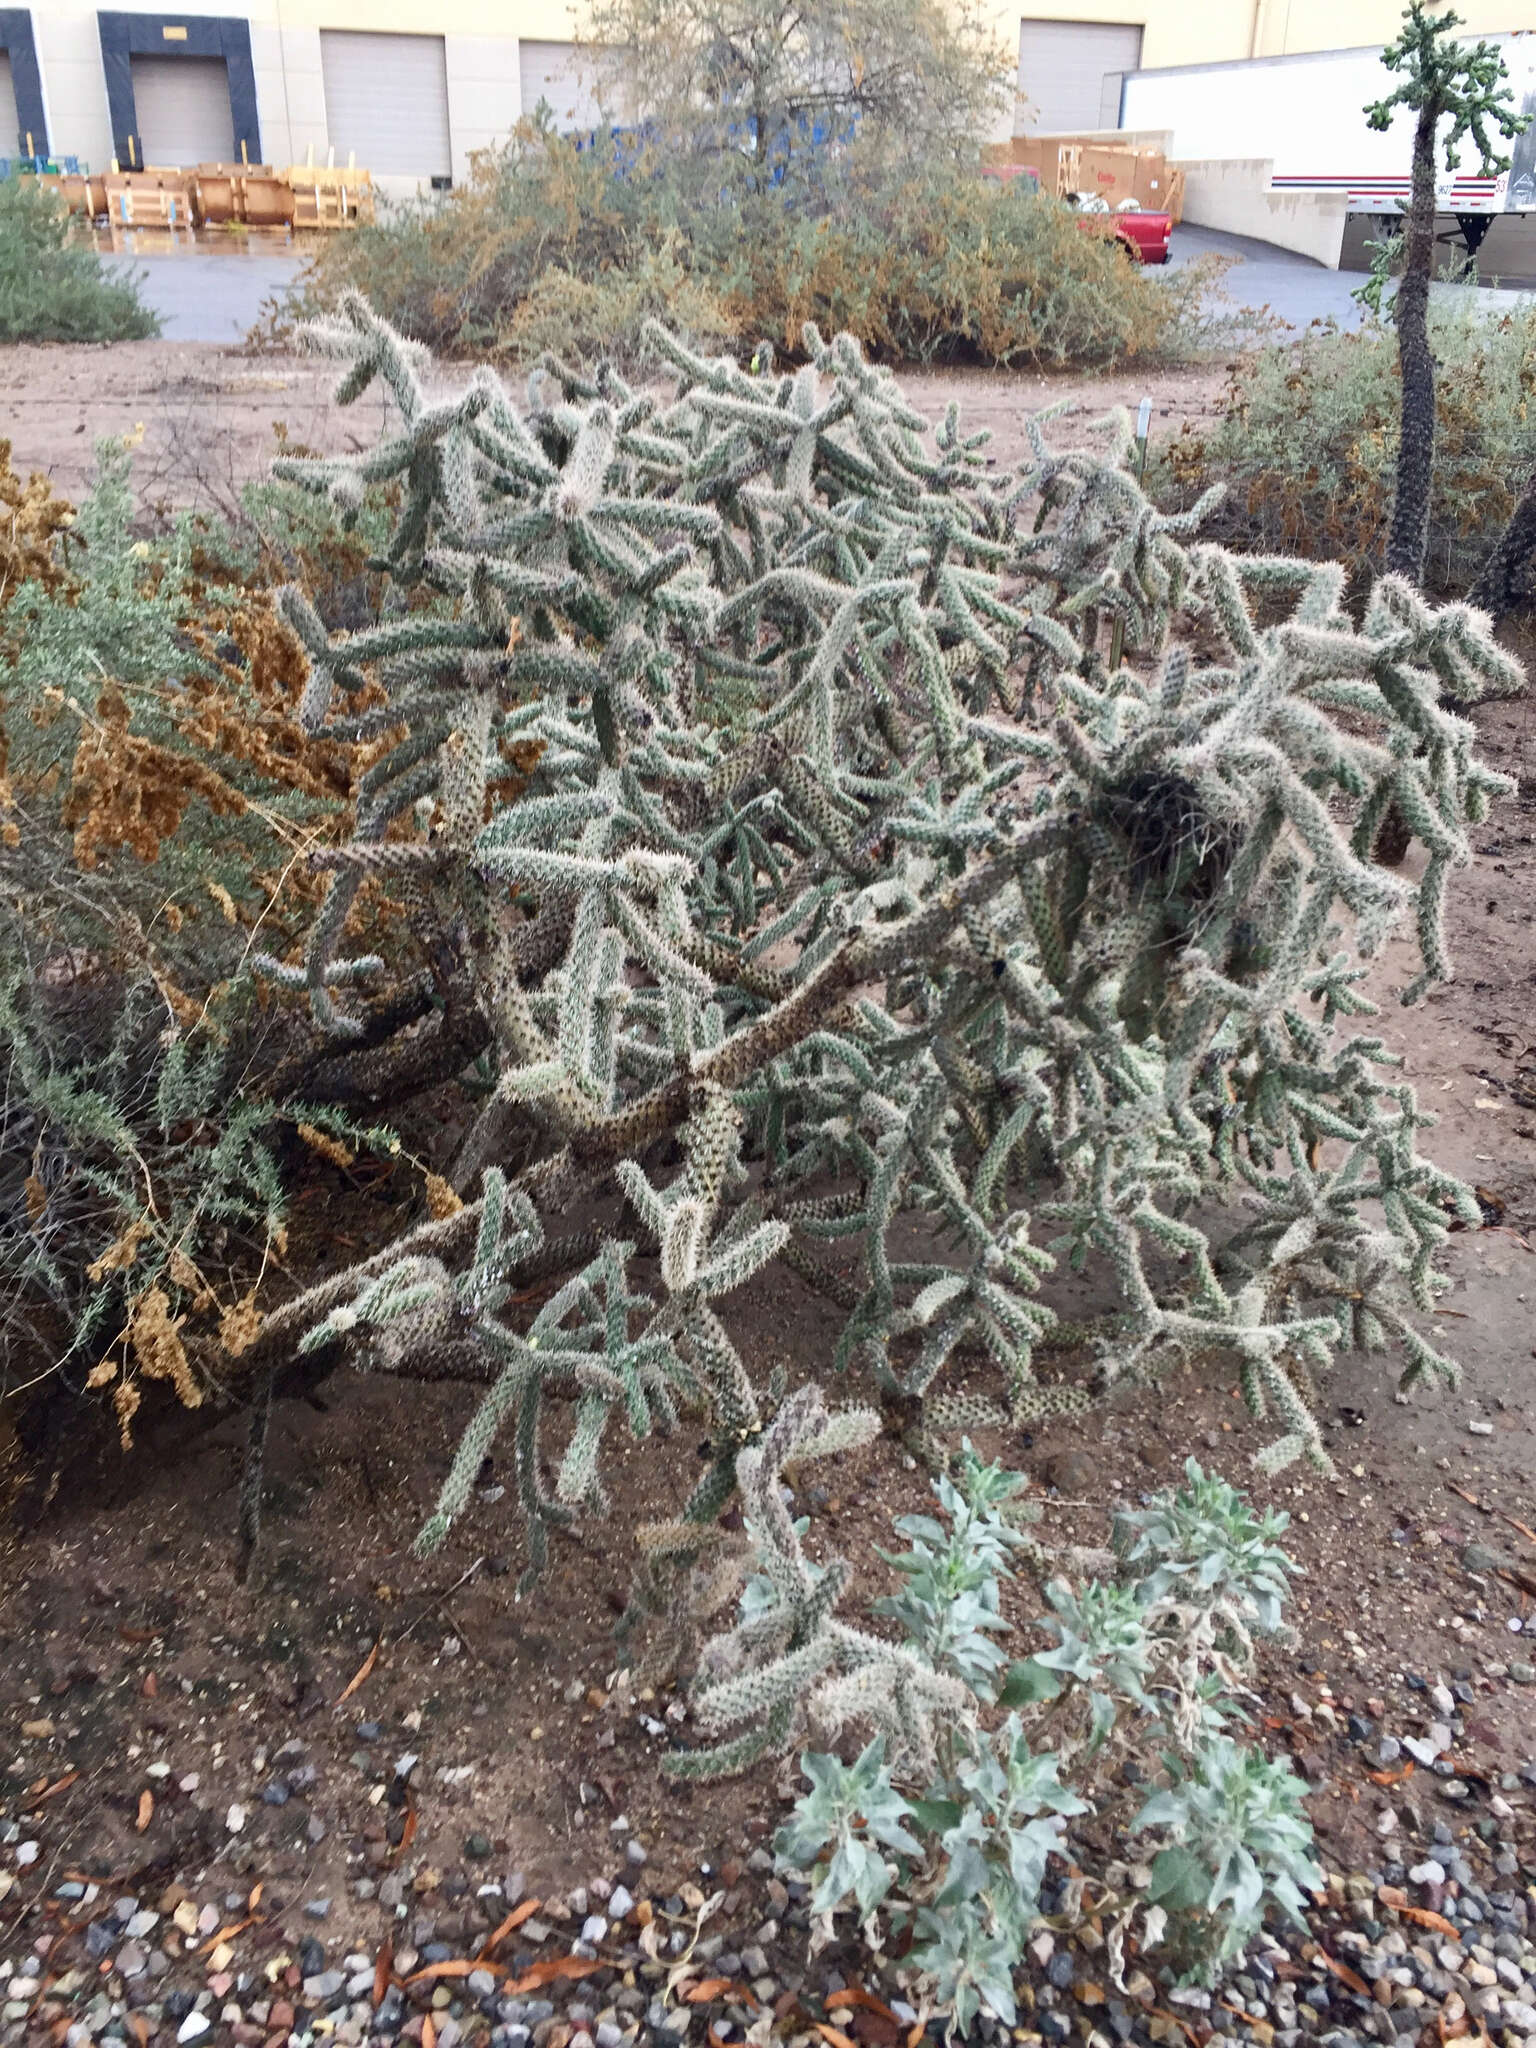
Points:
(1228, 193)
(483, 70)
(1212, 31)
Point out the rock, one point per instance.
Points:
(478, 1848)
(311, 1956)
(318, 1909)
(594, 1929)
(480, 1984)
(193, 2027)
(1522, 1673)
(620, 1903)
(634, 1851)
(1428, 1872)
(1480, 1560)
(131, 1960)
(276, 1793)
(323, 1987)
(1072, 1472)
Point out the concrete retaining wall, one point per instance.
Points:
(1230, 193)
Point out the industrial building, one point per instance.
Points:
(412, 87)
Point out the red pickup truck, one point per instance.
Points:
(1145, 236)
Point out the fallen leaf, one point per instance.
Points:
(457, 1966)
(383, 1970)
(1421, 1916)
(551, 1972)
(832, 2037)
(363, 1672)
(851, 1994)
(1344, 1973)
(706, 1989)
(58, 1785)
(513, 1921)
(228, 1933)
(428, 2032)
(146, 1809)
(407, 1832)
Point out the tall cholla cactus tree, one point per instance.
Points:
(839, 851)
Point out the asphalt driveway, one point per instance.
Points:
(1298, 291)
(214, 290)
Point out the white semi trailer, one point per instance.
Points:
(1306, 115)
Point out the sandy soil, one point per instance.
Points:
(122, 1628)
(208, 412)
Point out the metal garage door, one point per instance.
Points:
(181, 106)
(565, 78)
(11, 142)
(1069, 74)
(386, 102)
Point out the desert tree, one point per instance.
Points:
(759, 79)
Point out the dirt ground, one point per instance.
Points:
(208, 412)
(145, 1697)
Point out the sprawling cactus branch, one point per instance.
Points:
(835, 846)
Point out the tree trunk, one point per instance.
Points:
(1498, 590)
(1416, 450)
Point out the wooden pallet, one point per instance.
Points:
(151, 199)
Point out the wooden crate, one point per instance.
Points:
(330, 195)
(158, 199)
(268, 200)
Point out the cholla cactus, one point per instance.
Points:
(836, 843)
(789, 1664)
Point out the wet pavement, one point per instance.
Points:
(212, 288)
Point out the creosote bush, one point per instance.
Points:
(551, 245)
(960, 1833)
(944, 953)
(1306, 445)
(158, 798)
(53, 288)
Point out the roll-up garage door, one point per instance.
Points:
(11, 142)
(386, 102)
(1069, 74)
(181, 105)
(564, 78)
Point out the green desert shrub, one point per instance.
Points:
(957, 1828)
(1306, 443)
(158, 801)
(54, 288)
(551, 246)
